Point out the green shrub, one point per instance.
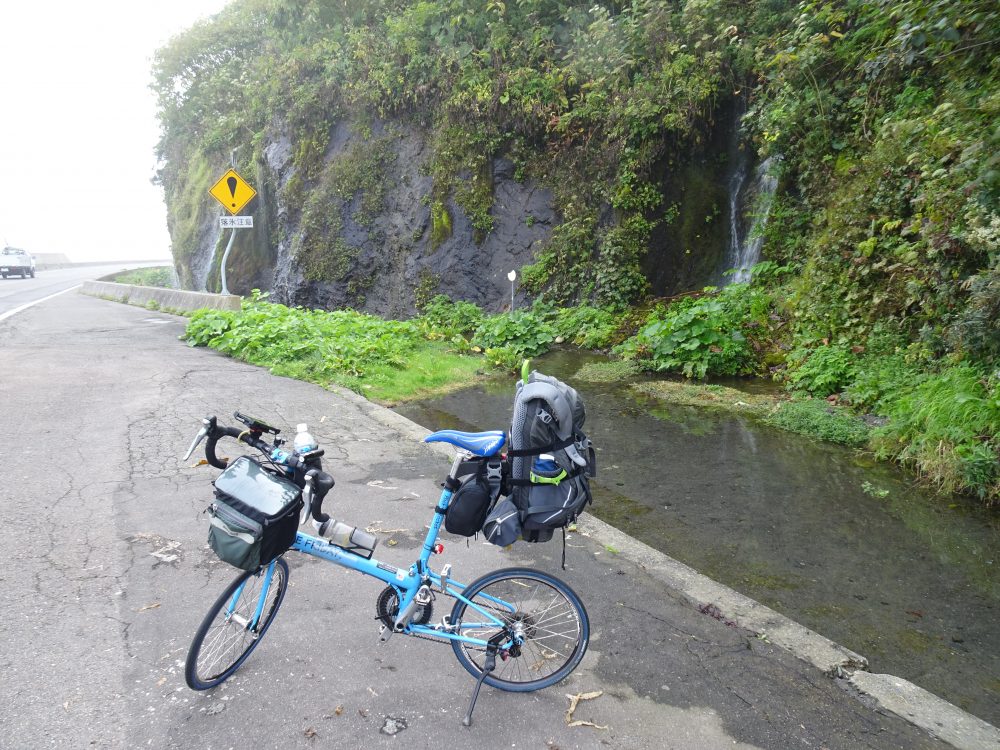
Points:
(819, 419)
(585, 326)
(521, 331)
(948, 428)
(821, 371)
(159, 276)
(444, 318)
(313, 345)
(721, 333)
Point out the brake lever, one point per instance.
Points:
(208, 424)
(307, 497)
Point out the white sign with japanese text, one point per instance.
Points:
(236, 222)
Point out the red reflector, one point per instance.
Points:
(438, 548)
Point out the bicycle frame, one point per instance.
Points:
(407, 582)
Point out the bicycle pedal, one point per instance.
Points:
(384, 633)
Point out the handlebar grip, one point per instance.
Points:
(213, 438)
(323, 483)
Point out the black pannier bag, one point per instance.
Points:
(551, 460)
(474, 498)
(255, 515)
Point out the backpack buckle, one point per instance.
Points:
(494, 470)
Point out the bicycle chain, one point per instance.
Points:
(434, 594)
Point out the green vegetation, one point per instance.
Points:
(160, 276)
(814, 418)
(882, 286)
(722, 332)
(948, 427)
(717, 397)
(385, 360)
(607, 372)
(818, 419)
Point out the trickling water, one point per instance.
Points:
(747, 247)
(737, 183)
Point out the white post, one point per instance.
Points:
(512, 275)
(225, 256)
(229, 246)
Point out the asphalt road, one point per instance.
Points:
(107, 577)
(15, 291)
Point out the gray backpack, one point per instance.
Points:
(551, 461)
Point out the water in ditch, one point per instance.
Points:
(850, 548)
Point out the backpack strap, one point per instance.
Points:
(528, 483)
(494, 477)
(557, 445)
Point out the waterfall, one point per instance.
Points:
(737, 183)
(744, 249)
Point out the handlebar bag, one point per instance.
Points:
(255, 515)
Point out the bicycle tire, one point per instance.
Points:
(229, 644)
(551, 616)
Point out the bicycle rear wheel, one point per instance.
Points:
(225, 638)
(537, 607)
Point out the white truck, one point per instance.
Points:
(16, 261)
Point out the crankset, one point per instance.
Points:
(387, 608)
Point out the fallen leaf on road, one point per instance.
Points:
(573, 701)
(310, 733)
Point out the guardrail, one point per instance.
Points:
(168, 300)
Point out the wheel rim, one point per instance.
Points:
(228, 639)
(546, 619)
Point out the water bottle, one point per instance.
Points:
(304, 442)
(545, 470)
(350, 538)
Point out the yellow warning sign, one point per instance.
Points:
(232, 191)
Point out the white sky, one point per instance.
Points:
(78, 125)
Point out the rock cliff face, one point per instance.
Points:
(331, 248)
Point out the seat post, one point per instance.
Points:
(460, 456)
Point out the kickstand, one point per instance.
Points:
(488, 666)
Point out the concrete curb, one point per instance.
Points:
(934, 715)
(168, 300)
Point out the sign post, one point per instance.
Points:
(233, 192)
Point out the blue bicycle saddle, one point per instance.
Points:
(477, 443)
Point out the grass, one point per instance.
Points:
(614, 371)
(819, 419)
(431, 370)
(388, 361)
(711, 397)
(814, 418)
(158, 276)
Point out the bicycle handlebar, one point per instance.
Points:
(211, 431)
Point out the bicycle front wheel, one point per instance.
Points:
(228, 634)
(537, 609)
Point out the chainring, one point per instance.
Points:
(387, 607)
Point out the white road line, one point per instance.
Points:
(22, 308)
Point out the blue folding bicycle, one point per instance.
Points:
(516, 629)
